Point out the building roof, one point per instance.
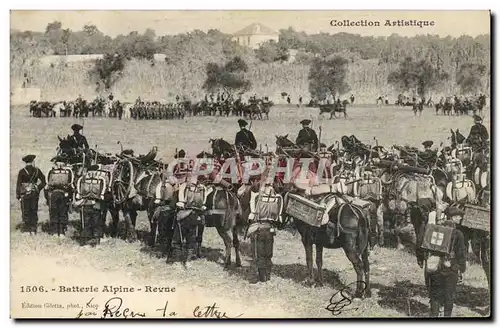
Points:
(256, 29)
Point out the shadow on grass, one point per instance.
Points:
(399, 298)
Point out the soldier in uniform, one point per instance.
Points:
(478, 135)
(265, 213)
(442, 283)
(307, 137)
(427, 146)
(78, 140)
(245, 137)
(111, 96)
(30, 181)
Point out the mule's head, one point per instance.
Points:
(283, 141)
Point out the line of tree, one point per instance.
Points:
(417, 63)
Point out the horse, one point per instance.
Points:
(351, 234)
(418, 107)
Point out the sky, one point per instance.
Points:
(454, 23)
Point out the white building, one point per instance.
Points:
(255, 34)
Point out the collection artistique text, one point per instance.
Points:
(387, 22)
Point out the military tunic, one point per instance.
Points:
(79, 141)
(478, 136)
(30, 181)
(245, 138)
(307, 136)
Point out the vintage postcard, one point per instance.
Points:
(250, 164)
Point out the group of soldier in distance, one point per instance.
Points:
(367, 192)
(223, 105)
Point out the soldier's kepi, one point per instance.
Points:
(245, 137)
(307, 137)
(30, 181)
(78, 140)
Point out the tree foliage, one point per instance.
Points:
(271, 51)
(469, 76)
(327, 76)
(229, 77)
(419, 76)
(107, 71)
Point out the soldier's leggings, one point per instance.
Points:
(58, 211)
(29, 211)
(442, 287)
(92, 223)
(262, 248)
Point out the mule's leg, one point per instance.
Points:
(226, 237)
(199, 239)
(115, 218)
(350, 251)
(308, 246)
(366, 267)
(319, 264)
(236, 244)
(485, 258)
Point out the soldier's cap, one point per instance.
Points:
(322, 145)
(76, 127)
(180, 154)
(305, 122)
(242, 123)
(477, 118)
(454, 211)
(128, 152)
(377, 148)
(428, 143)
(29, 158)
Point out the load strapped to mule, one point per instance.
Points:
(135, 175)
(61, 178)
(95, 183)
(477, 217)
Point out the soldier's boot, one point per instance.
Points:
(448, 308)
(262, 274)
(268, 271)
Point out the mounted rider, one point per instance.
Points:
(30, 181)
(77, 139)
(307, 137)
(478, 135)
(245, 137)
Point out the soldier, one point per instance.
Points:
(245, 137)
(111, 97)
(79, 140)
(30, 181)
(265, 213)
(307, 137)
(427, 146)
(442, 283)
(58, 195)
(478, 135)
(352, 99)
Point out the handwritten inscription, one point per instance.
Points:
(113, 309)
(211, 311)
(339, 302)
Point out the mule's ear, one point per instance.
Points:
(286, 135)
(58, 137)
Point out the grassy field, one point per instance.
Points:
(397, 281)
